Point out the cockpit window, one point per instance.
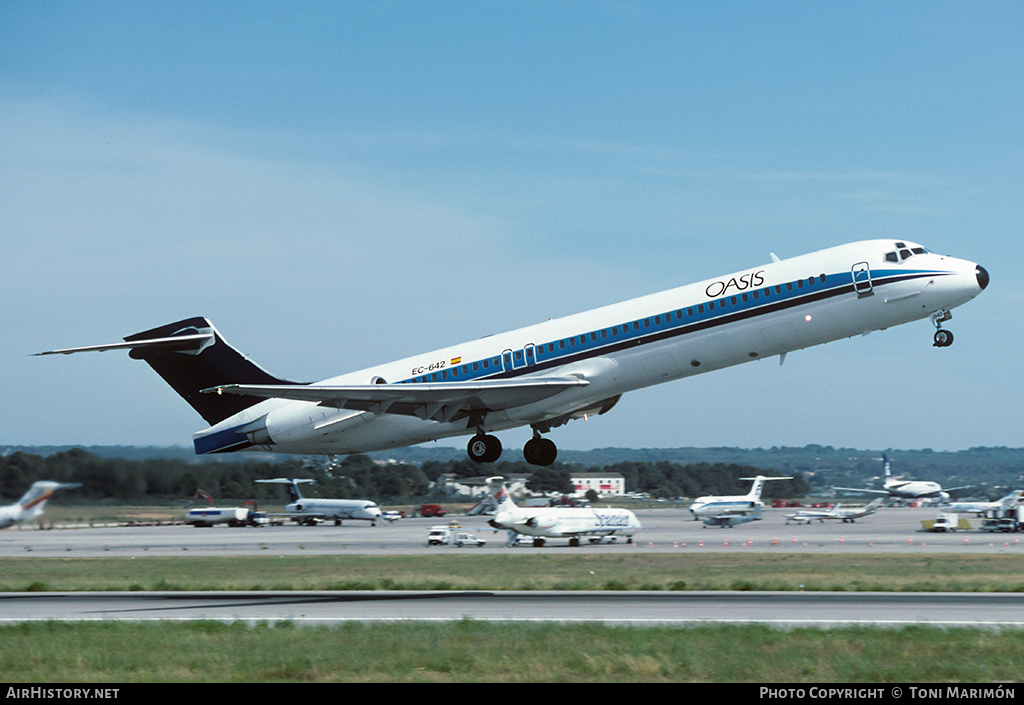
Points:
(902, 253)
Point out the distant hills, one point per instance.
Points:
(988, 468)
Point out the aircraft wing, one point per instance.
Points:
(862, 489)
(447, 400)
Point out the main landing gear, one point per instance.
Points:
(943, 337)
(484, 448)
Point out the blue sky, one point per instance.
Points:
(336, 184)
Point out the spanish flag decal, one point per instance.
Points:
(456, 360)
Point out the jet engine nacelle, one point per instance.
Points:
(541, 522)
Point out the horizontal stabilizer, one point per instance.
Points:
(179, 343)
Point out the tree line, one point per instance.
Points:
(116, 479)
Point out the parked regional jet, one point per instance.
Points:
(559, 522)
(847, 516)
(1008, 502)
(547, 374)
(722, 507)
(309, 511)
(906, 489)
(30, 506)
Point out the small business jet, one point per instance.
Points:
(30, 506)
(573, 523)
(308, 511)
(1008, 502)
(847, 516)
(724, 510)
(906, 489)
(545, 375)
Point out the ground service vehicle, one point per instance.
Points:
(432, 510)
(1011, 519)
(232, 516)
(465, 539)
(439, 536)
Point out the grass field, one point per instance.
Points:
(710, 571)
(468, 651)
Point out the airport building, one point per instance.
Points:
(609, 484)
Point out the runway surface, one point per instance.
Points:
(780, 609)
(891, 530)
(664, 530)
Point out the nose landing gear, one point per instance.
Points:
(943, 337)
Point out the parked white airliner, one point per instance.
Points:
(722, 510)
(547, 374)
(572, 523)
(30, 506)
(308, 510)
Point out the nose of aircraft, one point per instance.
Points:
(982, 274)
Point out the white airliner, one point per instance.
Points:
(309, 511)
(572, 523)
(847, 516)
(906, 489)
(547, 374)
(718, 510)
(30, 506)
(1008, 502)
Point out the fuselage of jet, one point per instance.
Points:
(335, 509)
(760, 312)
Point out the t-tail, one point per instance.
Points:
(506, 513)
(293, 485)
(191, 355)
(755, 491)
(41, 491)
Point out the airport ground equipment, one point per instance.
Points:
(439, 536)
(1010, 519)
(466, 539)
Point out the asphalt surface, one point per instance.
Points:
(781, 609)
(891, 530)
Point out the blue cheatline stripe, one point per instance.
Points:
(222, 441)
(642, 331)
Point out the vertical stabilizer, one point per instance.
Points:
(206, 361)
(500, 494)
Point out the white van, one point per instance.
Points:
(439, 536)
